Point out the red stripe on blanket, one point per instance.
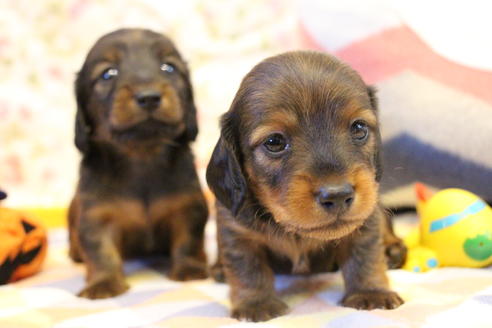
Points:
(399, 49)
(389, 52)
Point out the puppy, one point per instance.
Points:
(138, 192)
(295, 173)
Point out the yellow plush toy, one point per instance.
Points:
(455, 230)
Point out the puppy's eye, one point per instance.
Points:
(109, 74)
(275, 143)
(359, 131)
(168, 68)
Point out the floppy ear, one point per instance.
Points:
(191, 129)
(224, 173)
(371, 91)
(83, 128)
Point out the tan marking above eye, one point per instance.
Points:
(176, 62)
(366, 115)
(261, 133)
(99, 68)
(280, 121)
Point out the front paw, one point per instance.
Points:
(188, 271)
(396, 254)
(217, 272)
(104, 288)
(369, 300)
(260, 310)
(74, 254)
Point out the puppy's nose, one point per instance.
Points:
(336, 197)
(148, 100)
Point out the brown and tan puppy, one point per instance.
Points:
(295, 173)
(138, 192)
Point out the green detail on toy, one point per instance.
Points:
(478, 248)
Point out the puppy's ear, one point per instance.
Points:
(371, 91)
(83, 129)
(191, 125)
(224, 172)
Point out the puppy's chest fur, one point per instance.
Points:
(301, 253)
(142, 191)
(111, 174)
(287, 252)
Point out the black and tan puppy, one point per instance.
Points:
(296, 173)
(138, 192)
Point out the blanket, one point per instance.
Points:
(446, 297)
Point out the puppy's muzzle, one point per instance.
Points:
(336, 198)
(148, 100)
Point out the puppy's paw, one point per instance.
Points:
(74, 254)
(260, 310)
(396, 254)
(188, 271)
(369, 300)
(104, 288)
(217, 272)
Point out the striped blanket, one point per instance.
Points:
(448, 297)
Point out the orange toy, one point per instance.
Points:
(23, 245)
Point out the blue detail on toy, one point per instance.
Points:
(447, 221)
(416, 269)
(432, 263)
